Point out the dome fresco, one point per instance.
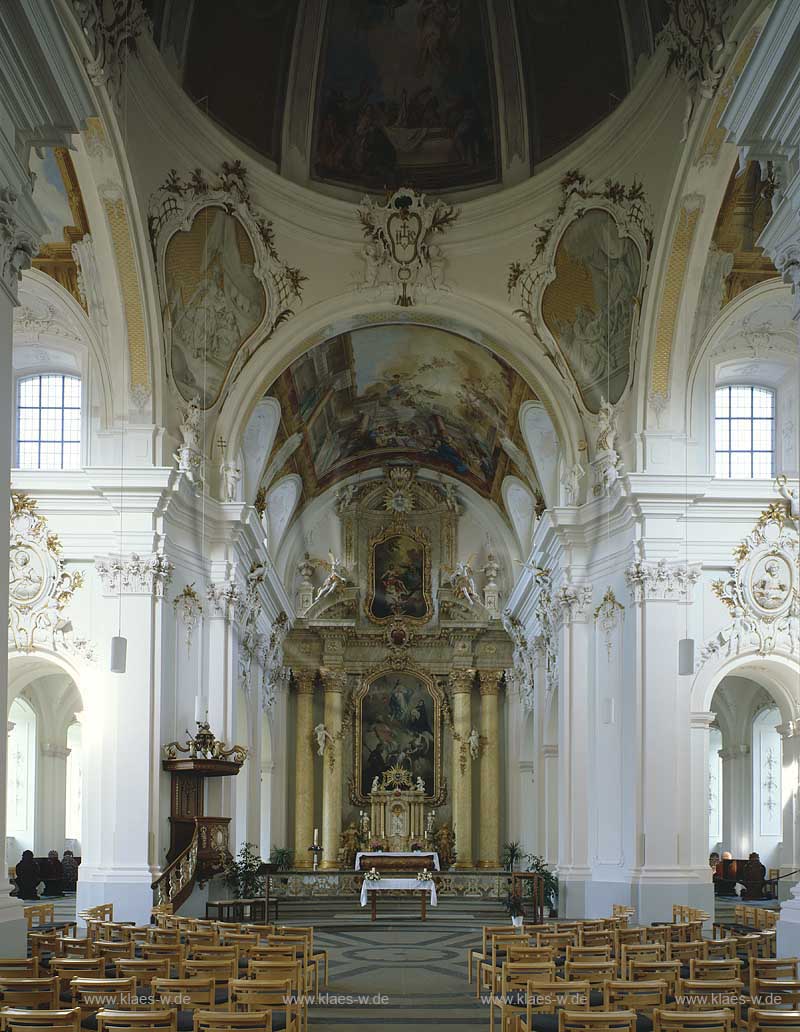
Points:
(437, 94)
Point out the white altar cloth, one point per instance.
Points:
(416, 852)
(406, 884)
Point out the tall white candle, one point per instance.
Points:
(316, 836)
(198, 709)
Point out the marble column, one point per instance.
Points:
(333, 684)
(461, 682)
(790, 787)
(51, 798)
(737, 803)
(489, 830)
(305, 681)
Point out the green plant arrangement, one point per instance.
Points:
(514, 904)
(512, 855)
(242, 873)
(282, 858)
(538, 866)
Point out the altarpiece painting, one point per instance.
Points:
(399, 577)
(398, 724)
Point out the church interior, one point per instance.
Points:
(400, 420)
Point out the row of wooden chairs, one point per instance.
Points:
(128, 1021)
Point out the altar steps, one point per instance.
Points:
(346, 912)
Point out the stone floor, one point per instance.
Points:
(408, 976)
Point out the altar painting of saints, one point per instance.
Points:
(399, 577)
(215, 301)
(590, 305)
(398, 729)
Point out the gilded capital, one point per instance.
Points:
(490, 681)
(333, 680)
(461, 681)
(305, 680)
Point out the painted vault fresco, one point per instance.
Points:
(406, 95)
(216, 301)
(417, 393)
(590, 305)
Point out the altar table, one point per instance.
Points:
(423, 858)
(370, 890)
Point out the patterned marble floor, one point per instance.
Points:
(399, 978)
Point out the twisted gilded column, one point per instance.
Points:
(461, 682)
(333, 685)
(304, 767)
(489, 831)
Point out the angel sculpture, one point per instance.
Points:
(539, 572)
(789, 494)
(474, 743)
(462, 582)
(323, 735)
(336, 577)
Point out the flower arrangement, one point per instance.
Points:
(376, 845)
(372, 875)
(423, 875)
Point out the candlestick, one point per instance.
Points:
(316, 836)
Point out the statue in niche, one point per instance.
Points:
(444, 842)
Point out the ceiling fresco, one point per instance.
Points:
(421, 93)
(406, 95)
(419, 394)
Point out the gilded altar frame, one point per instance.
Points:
(439, 796)
(417, 534)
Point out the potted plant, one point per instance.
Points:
(242, 873)
(515, 908)
(512, 855)
(537, 865)
(282, 858)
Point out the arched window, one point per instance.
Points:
(714, 787)
(744, 431)
(767, 764)
(48, 421)
(21, 782)
(74, 782)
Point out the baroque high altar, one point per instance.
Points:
(398, 672)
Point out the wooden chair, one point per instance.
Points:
(705, 995)
(558, 940)
(175, 954)
(19, 967)
(142, 1021)
(596, 938)
(587, 952)
(315, 955)
(720, 949)
(184, 993)
(270, 996)
(712, 970)
(685, 951)
(532, 954)
(231, 1021)
(768, 1020)
(164, 936)
(513, 980)
(489, 969)
(775, 993)
(75, 947)
(785, 967)
(692, 1021)
(111, 951)
(628, 937)
(595, 972)
(596, 1021)
(668, 971)
(91, 995)
(40, 1020)
(624, 994)
(301, 947)
(547, 997)
(143, 970)
(638, 951)
(42, 943)
(658, 933)
(475, 954)
(203, 937)
(30, 993)
(67, 968)
(220, 970)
